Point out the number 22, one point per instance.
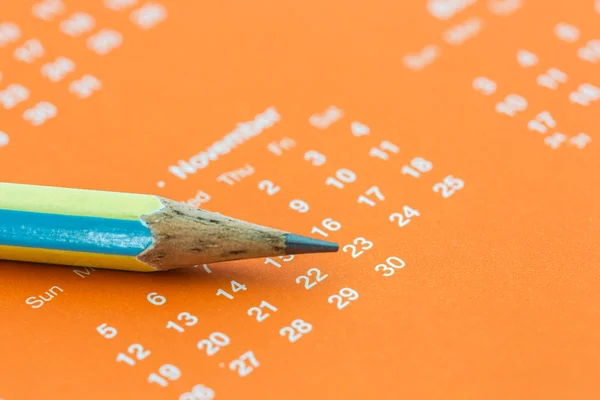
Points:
(308, 284)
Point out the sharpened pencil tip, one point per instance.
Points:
(296, 244)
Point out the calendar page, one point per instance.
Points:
(448, 146)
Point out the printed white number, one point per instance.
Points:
(107, 331)
(323, 120)
(512, 104)
(408, 213)
(119, 5)
(104, 41)
(364, 245)
(269, 186)
(585, 94)
(9, 32)
(555, 140)
(214, 343)
(84, 87)
(277, 148)
(41, 112)
(390, 266)
(383, 149)
(449, 186)
(245, 364)
(359, 129)
(47, 10)
(56, 71)
(344, 298)
(328, 224)
(526, 58)
(275, 263)
(552, 78)
(77, 24)
(236, 287)
(187, 319)
(149, 15)
(307, 283)
(135, 349)
(13, 95)
(365, 199)
(591, 51)
(4, 139)
(165, 374)
(30, 51)
(299, 205)
(566, 32)
(260, 317)
(317, 159)
(446, 9)
(579, 141)
(199, 392)
(484, 85)
(221, 292)
(542, 122)
(297, 329)
(156, 299)
(343, 175)
(419, 166)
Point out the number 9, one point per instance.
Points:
(299, 205)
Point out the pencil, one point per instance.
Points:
(129, 231)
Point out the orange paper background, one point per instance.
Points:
(499, 297)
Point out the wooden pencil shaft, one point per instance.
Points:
(126, 231)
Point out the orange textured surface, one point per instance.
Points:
(499, 294)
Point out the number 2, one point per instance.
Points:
(269, 186)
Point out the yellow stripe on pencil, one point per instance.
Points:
(133, 232)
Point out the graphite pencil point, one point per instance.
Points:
(296, 244)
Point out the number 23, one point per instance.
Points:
(356, 252)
